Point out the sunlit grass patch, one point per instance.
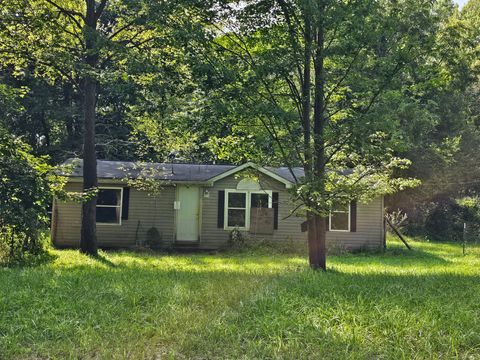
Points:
(423, 303)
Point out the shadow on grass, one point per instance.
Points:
(29, 260)
(393, 257)
(103, 260)
(131, 259)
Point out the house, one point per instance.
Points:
(200, 205)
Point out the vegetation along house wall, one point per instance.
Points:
(203, 213)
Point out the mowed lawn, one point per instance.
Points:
(399, 305)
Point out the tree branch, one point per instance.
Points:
(69, 13)
(125, 27)
(100, 9)
(292, 34)
(342, 79)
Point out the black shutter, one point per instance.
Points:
(221, 209)
(327, 222)
(275, 210)
(353, 216)
(125, 203)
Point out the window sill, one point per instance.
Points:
(109, 224)
(230, 228)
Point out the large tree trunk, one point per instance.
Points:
(316, 242)
(88, 241)
(318, 223)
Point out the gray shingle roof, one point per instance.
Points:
(160, 171)
(172, 172)
(285, 173)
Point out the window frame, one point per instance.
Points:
(248, 206)
(342, 212)
(120, 205)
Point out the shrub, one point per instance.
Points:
(27, 185)
(236, 239)
(470, 215)
(153, 238)
(442, 221)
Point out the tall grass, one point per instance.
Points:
(124, 305)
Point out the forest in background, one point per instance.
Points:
(208, 81)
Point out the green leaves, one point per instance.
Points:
(355, 111)
(27, 186)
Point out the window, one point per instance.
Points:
(340, 218)
(260, 200)
(237, 210)
(109, 206)
(238, 205)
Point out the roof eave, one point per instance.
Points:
(252, 165)
(79, 179)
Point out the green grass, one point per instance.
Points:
(397, 305)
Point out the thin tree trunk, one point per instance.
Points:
(69, 118)
(306, 93)
(318, 222)
(315, 244)
(46, 128)
(88, 241)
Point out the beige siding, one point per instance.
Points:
(144, 212)
(213, 237)
(369, 232)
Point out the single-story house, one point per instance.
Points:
(199, 205)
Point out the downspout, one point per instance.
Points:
(53, 225)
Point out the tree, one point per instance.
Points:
(87, 45)
(445, 155)
(27, 184)
(316, 78)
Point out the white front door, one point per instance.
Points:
(188, 211)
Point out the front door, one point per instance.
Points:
(188, 209)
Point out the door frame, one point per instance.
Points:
(200, 206)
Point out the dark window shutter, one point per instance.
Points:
(221, 209)
(275, 209)
(327, 222)
(125, 203)
(353, 216)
